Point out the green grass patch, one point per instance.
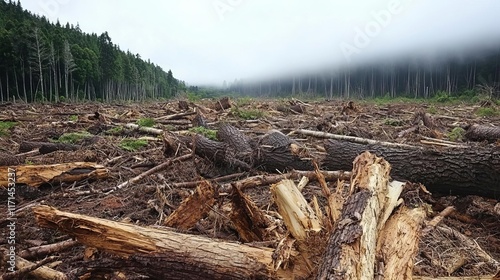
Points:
(432, 110)
(73, 137)
(146, 122)
(117, 130)
(243, 101)
(487, 112)
(247, 114)
(456, 134)
(5, 126)
(393, 122)
(209, 133)
(133, 145)
(73, 118)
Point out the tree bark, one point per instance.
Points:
(45, 147)
(452, 171)
(482, 132)
(275, 152)
(163, 253)
(350, 252)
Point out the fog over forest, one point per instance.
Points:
(363, 48)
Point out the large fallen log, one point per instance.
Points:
(274, 152)
(163, 253)
(478, 132)
(36, 175)
(449, 171)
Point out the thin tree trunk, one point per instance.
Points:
(1, 90)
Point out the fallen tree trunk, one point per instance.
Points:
(275, 152)
(278, 153)
(483, 132)
(36, 175)
(45, 147)
(451, 171)
(166, 253)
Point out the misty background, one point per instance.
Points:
(53, 50)
(209, 42)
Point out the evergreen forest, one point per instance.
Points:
(44, 61)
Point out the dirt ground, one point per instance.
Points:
(476, 218)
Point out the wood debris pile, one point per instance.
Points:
(249, 199)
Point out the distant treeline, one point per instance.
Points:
(472, 74)
(43, 61)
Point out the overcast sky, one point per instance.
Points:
(209, 41)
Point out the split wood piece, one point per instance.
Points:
(436, 220)
(168, 253)
(151, 130)
(335, 200)
(193, 208)
(47, 249)
(265, 180)
(397, 245)
(408, 131)
(353, 139)
(437, 143)
(478, 132)
(175, 122)
(194, 184)
(37, 270)
(248, 220)
(149, 172)
(350, 252)
(36, 175)
(45, 147)
(176, 116)
(451, 171)
(222, 104)
(443, 141)
(298, 216)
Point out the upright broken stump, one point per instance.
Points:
(351, 249)
(36, 175)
